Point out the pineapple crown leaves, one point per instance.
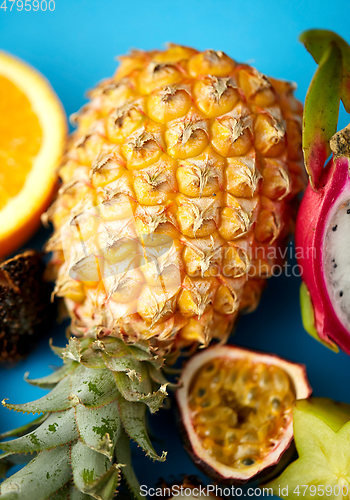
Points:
(330, 84)
(73, 350)
(98, 400)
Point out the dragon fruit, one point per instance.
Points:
(323, 224)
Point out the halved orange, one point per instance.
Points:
(32, 135)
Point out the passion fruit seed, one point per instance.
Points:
(247, 462)
(242, 411)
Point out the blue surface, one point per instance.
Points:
(75, 46)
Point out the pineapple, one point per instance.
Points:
(178, 189)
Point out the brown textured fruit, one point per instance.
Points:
(190, 487)
(25, 307)
(179, 186)
(236, 411)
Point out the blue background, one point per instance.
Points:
(75, 46)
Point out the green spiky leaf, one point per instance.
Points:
(75, 494)
(136, 386)
(61, 494)
(134, 421)
(92, 359)
(124, 457)
(94, 388)
(8, 460)
(42, 477)
(134, 381)
(140, 391)
(73, 350)
(142, 355)
(86, 413)
(158, 376)
(106, 486)
(58, 429)
(56, 350)
(88, 466)
(99, 427)
(16, 459)
(71, 492)
(114, 347)
(58, 399)
(122, 364)
(51, 380)
(24, 429)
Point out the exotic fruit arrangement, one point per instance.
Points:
(178, 188)
(323, 226)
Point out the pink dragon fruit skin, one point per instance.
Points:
(327, 197)
(312, 222)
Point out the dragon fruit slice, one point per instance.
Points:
(323, 224)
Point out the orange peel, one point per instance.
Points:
(32, 136)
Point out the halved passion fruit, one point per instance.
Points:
(236, 411)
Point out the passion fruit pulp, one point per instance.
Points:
(236, 411)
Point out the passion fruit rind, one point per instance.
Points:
(264, 476)
(242, 389)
